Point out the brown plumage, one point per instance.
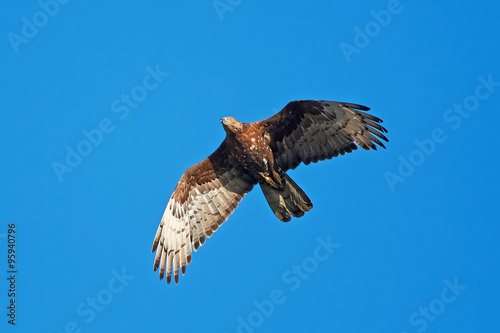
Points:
(258, 153)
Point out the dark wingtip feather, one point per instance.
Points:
(383, 137)
(357, 106)
(169, 278)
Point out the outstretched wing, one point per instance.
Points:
(205, 196)
(311, 131)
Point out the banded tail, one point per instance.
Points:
(287, 201)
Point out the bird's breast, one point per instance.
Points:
(254, 153)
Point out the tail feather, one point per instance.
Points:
(288, 201)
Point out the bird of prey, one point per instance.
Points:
(261, 152)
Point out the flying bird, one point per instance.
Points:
(261, 152)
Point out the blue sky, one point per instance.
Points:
(399, 240)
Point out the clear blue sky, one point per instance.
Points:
(137, 91)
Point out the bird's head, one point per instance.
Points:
(231, 125)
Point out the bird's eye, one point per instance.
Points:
(231, 120)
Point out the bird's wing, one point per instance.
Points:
(311, 131)
(205, 196)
